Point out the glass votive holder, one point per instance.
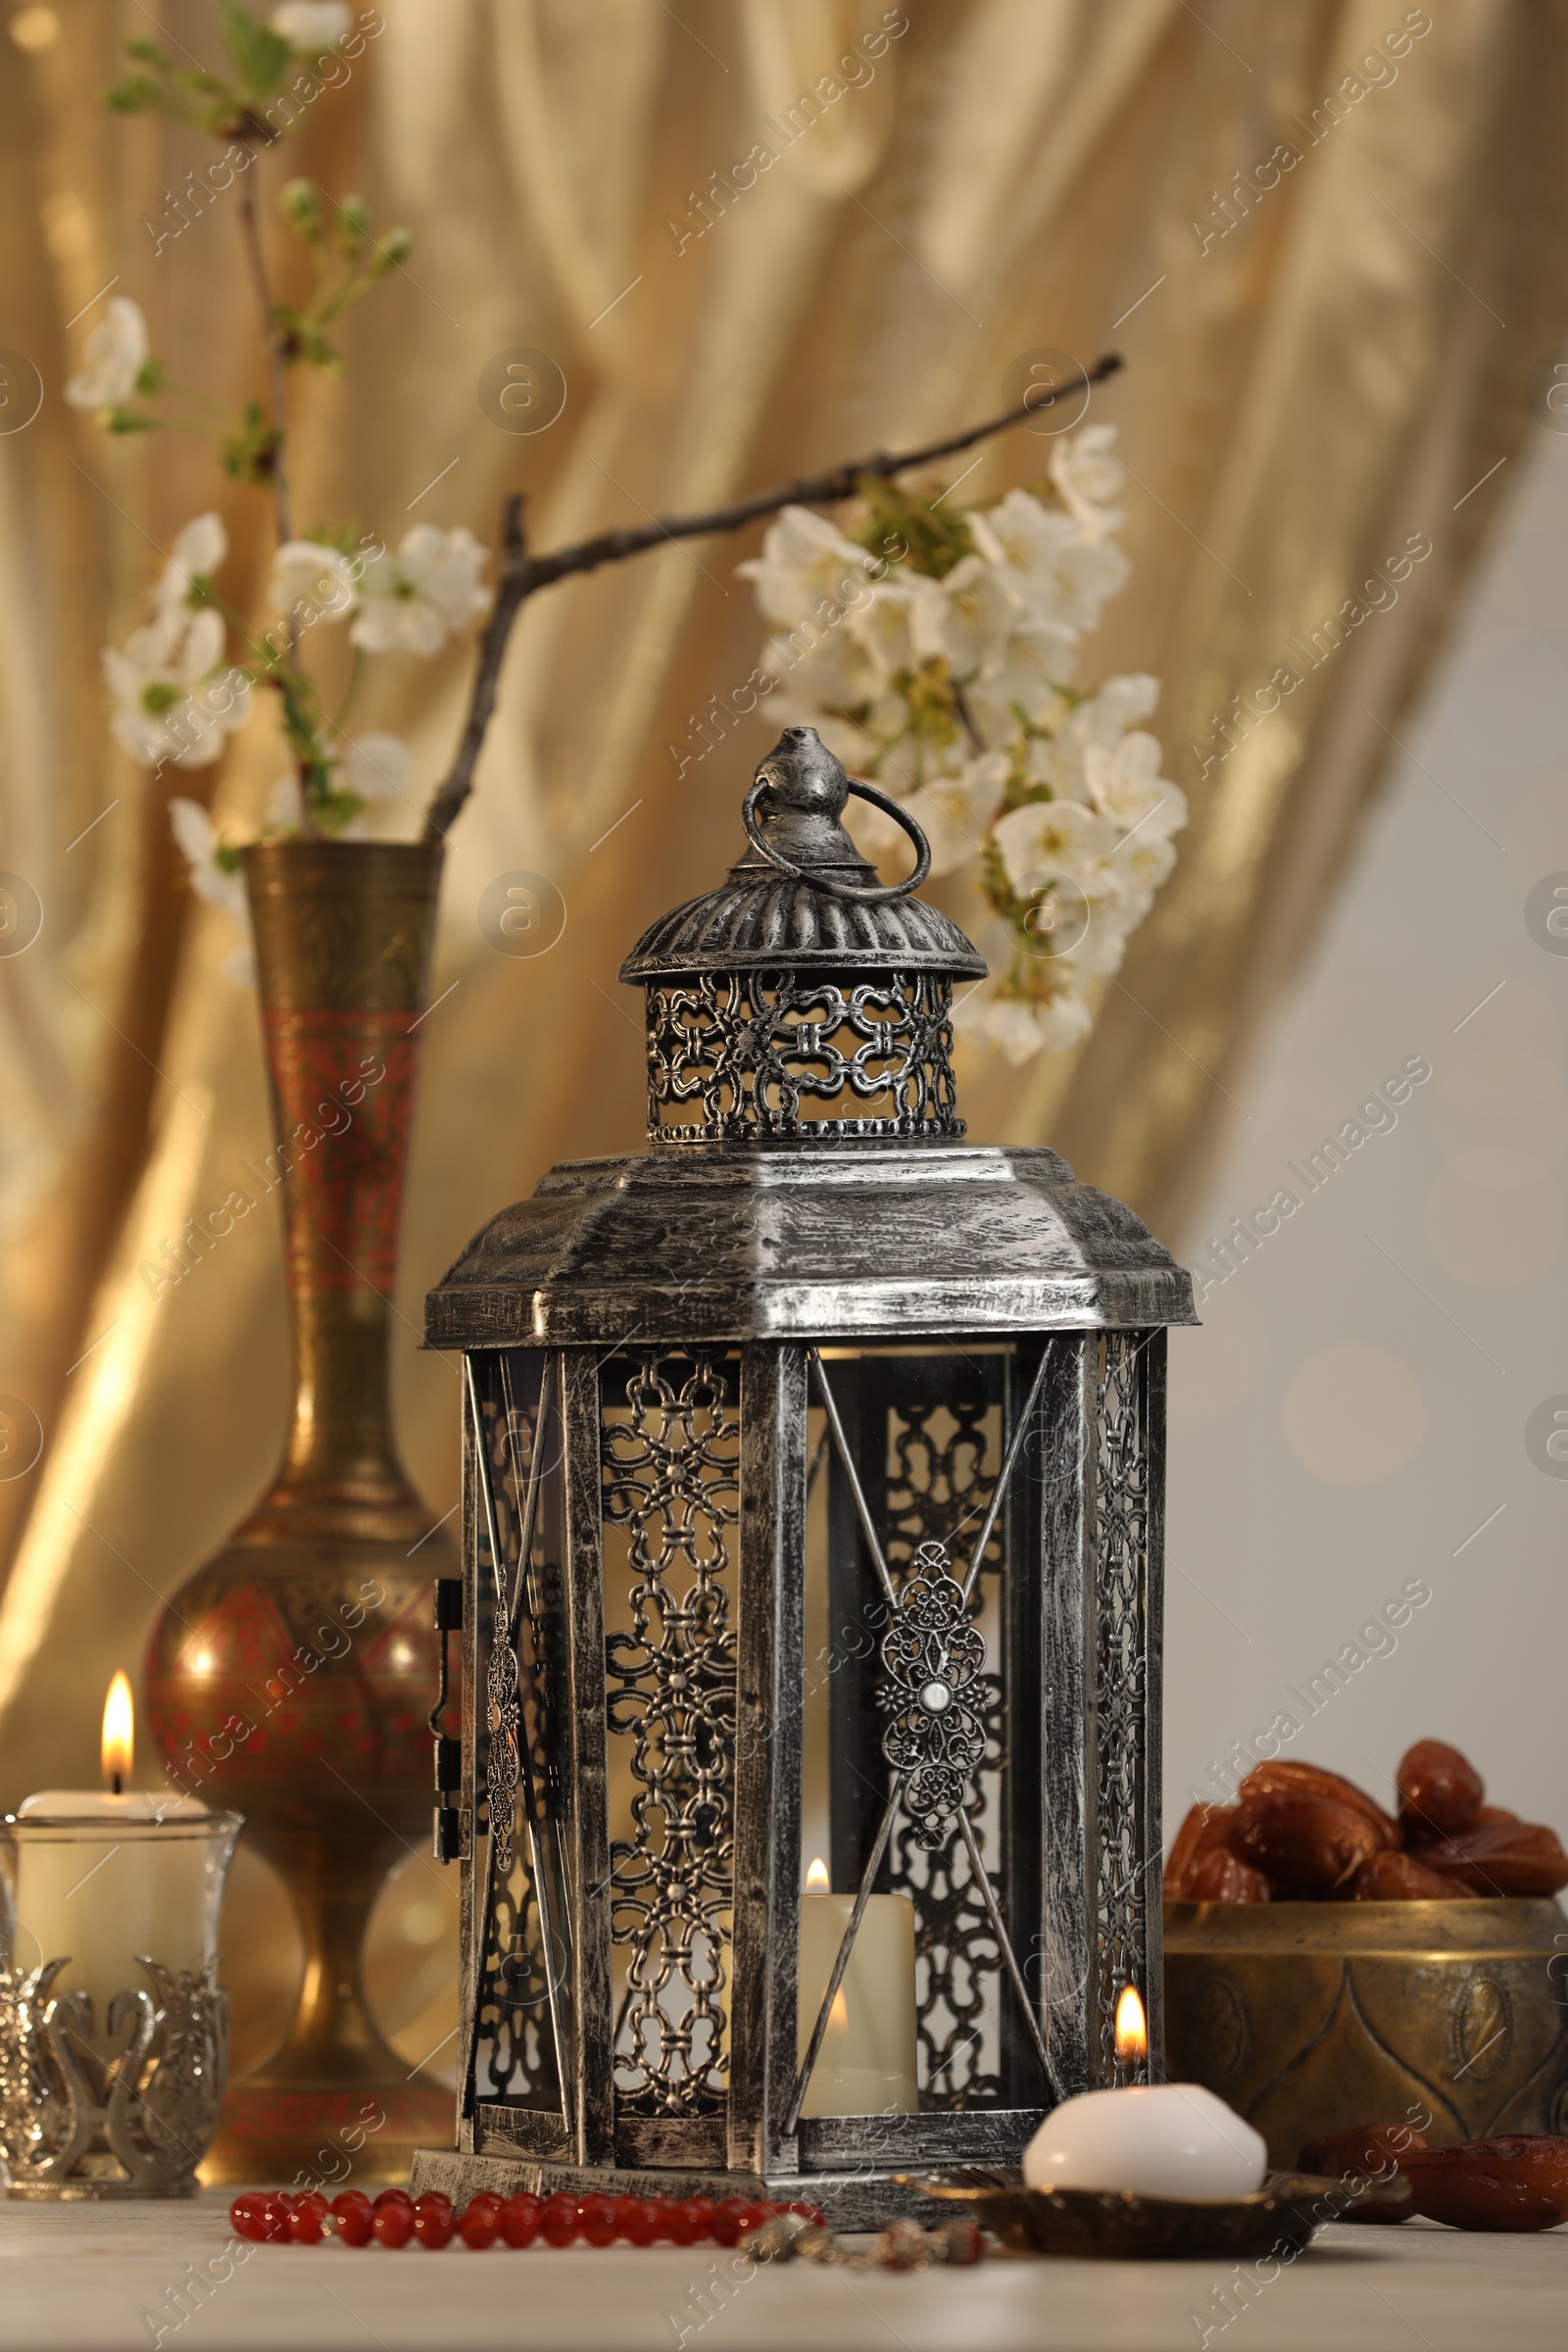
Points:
(114, 2030)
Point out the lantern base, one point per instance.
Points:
(859, 2200)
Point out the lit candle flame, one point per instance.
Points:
(1132, 2028)
(839, 2015)
(117, 1734)
(817, 1881)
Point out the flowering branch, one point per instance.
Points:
(934, 648)
(522, 575)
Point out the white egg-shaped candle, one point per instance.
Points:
(1160, 2139)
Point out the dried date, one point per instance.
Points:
(1439, 1789)
(1307, 1845)
(1515, 2184)
(1402, 1878)
(1368, 2155)
(1311, 1779)
(1221, 1876)
(1499, 1858)
(1207, 1829)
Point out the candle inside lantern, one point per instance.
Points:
(867, 2065)
(1159, 2140)
(100, 1876)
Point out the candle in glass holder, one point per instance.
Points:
(867, 2065)
(1159, 2140)
(102, 1876)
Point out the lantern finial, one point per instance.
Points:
(803, 980)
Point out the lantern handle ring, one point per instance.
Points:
(865, 894)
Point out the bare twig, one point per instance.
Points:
(515, 583)
(523, 574)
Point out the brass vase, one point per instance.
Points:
(291, 1676)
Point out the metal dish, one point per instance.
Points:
(1118, 2226)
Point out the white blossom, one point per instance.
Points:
(823, 665)
(951, 691)
(313, 582)
(953, 812)
(1102, 943)
(982, 608)
(1138, 865)
(899, 624)
(804, 558)
(1032, 665)
(1085, 474)
(193, 830)
(1117, 704)
(1024, 1030)
(215, 883)
(1058, 756)
(311, 26)
(116, 355)
(1050, 841)
(1061, 574)
(175, 703)
(1125, 784)
(410, 602)
(198, 553)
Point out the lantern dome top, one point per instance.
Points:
(803, 997)
(803, 894)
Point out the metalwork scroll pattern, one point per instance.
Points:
(672, 1479)
(932, 1652)
(515, 2056)
(937, 1486)
(516, 2060)
(66, 2110)
(750, 1048)
(1122, 1680)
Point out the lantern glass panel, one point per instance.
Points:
(930, 1722)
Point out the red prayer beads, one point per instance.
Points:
(278, 2216)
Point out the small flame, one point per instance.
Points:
(117, 1733)
(839, 2015)
(817, 1881)
(1132, 2028)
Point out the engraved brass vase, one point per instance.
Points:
(291, 1676)
(1309, 2017)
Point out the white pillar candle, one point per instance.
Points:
(1161, 2139)
(99, 1878)
(867, 2065)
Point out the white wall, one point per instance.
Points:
(1356, 1406)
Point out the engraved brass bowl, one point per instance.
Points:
(1312, 2018)
(1118, 2226)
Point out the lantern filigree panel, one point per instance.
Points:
(1126, 1710)
(519, 1922)
(783, 1053)
(671, 1434)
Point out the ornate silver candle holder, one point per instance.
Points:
(73, 2125)
(109, 2086)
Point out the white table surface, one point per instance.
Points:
(81, 2276)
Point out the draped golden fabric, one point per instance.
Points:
(1323, 366)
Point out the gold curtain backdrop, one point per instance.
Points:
(1306, 392)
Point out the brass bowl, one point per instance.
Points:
(1312, 2018)
(1118, 2226)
